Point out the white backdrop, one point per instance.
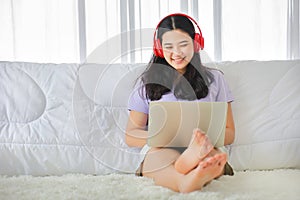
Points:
(50, 31)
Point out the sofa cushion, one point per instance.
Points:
(267, 113)
(100, 113)
(38, 130)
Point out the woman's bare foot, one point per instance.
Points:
(207, 170)
(198, 149)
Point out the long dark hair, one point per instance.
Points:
(160, 78)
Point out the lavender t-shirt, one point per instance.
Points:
(218, 91)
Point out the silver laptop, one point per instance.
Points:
(171, 124)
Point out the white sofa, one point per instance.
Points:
(68, 118)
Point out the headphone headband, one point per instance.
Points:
(177, 14)
(198, 39)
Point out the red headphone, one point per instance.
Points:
(198, 39)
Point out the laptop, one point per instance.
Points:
(171, 124)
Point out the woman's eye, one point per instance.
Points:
(168, 47)
(183, 45)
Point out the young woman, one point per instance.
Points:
(175, 73)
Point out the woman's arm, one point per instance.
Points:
(136, 135)
(230, 129)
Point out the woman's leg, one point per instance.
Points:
(159, 165)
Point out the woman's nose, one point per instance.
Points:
(177, 50)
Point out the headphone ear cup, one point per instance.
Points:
(157, 49)
(198, 42)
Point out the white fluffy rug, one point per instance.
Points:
(250, 185)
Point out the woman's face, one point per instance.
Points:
(178, 49)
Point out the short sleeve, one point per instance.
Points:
(219, 89)
(138, 101)
(224, 93)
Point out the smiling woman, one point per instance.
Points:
(175, 73)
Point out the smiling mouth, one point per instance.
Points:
(178, 60)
